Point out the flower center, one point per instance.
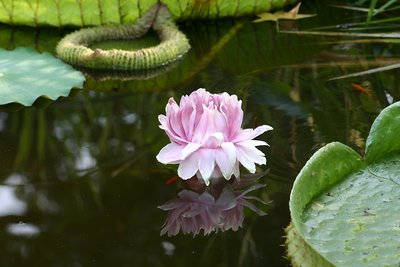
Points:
(214, 140)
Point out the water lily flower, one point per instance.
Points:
(206, 137)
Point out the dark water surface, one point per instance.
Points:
(80, 184)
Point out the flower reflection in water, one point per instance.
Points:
(218, 207)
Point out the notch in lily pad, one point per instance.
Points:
(26, 75)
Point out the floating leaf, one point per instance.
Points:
(293, 14)
(345, 209)
(26, 75)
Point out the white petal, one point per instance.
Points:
(236, 171)
(248, 134)
(188, 167)
(163, 120)
(256, 155)
(253, 143)
(174, 138)
(206, 163)
(224, 164)
(245, 160)
(170, 154)
(230, 150)
(189, 149)
(226, 159)
(214, 140)
(206, 181)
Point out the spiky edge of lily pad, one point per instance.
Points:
(74, 48)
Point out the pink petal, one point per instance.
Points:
(175, 138)
(188, 120)
(171, 106)
(235, 118)
(171, 134)
(170, 154)
(175, 124)
(201, 128)
(220, 123)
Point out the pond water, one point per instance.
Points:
(80, 185)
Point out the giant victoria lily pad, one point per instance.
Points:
(345, 208)
(26, 75)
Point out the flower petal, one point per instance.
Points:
(214, 140)
(206, 164)
(188, 167)
(189, 149)
(236, 171)
(226, 159)
(163, 120)
(248, 134)
(245, 159)
(201, 127)
(256, 155)
(254, 143)
(188, 120)
(170, 154)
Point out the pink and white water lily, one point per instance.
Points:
(206, 137)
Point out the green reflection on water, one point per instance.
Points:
(84, 167)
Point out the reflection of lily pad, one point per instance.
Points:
(26, 75)
(345, 209)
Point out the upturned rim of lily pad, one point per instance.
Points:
(336, 162)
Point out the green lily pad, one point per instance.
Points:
(346, 209)
(26, 75)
